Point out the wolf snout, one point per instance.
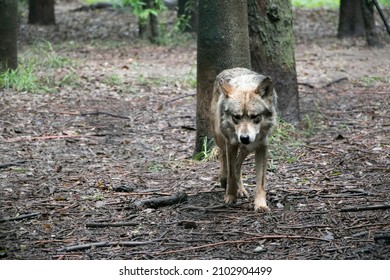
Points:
(245, 139)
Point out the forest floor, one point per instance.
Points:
(111, 123)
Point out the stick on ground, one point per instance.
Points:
(365, 208)
(157, 202)
(20, 217)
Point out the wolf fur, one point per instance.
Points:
(243, 113)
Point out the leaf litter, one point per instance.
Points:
(76, 162)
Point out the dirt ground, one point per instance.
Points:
(116, 127)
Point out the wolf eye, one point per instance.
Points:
(267, 113)
(256, 118)
(236, 118)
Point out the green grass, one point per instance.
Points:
(43, 53)
(332, 4)
(284, 137)
(207, 151)
(370, 81)
(287, 138)
(21, 79)
(36, 70)
(189, 79)
(316, 3)
(113, 80)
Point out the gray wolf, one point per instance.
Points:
(243, 114)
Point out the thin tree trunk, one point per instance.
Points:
(41, 12)
(223, 42)
(8, 34)
(272, 51)
(369, 24)
(148, 28)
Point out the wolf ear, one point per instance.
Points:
(226, 88)
(266, 88)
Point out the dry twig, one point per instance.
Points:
(365, 208)
(20, 217)
(157, 202)
(249, 240)
(106, 244)
(121, 224)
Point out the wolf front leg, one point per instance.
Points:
(261, 168)
(232, 185)
(243, 153)
(224, 167)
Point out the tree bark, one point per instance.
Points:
(223, 42)
(351, 22)
(356, 18)
(41, 12)
(8, 34)
(188, 9)
(372, 37)
(148, 28)
(272, 51)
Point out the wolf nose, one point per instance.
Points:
(244, 139)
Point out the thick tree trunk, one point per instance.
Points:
(369, 24)
(351, 22)
(188, 9)
(356, 18)
(148, 28)
(272, 51)
(8, 34)
(41, 12)
(223, 42)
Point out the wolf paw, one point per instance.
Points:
(261, 206)
(262, 209)
(230, 199)
(242, 192)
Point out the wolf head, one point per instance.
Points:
(247, 108)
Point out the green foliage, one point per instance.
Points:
(169, 34)
(207, 150)
(140, 10)
(370, 81)
(190, 79)
(44, 52)
(156, 167)
(332, 4)
(284, 137)
(113, 80)
(184, 20)
(39, 58)
(172, 34)
(21, 79)
(384, 3)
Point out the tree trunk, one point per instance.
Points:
(148, 28)
(8, 34)
(356, 18)
(188, 10)
(351, 22)
(272, 51)
(223, 42)
(369, 24)
(41, 12)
